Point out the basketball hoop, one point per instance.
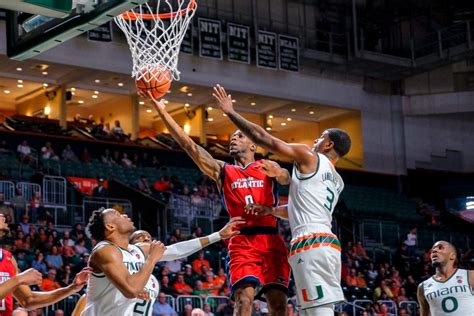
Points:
(154, 34)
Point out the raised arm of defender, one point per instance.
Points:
(206, 163)
(300, 153)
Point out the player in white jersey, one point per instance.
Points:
(314, 191)
(449, 292)
(121, 271)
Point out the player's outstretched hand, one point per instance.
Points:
(81, 279)
(231, 228)
(30, 277)
(158, 104)
(270, 168)
(157, 248)
(258, 209)
(224, 100)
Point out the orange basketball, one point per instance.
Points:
(154, 80)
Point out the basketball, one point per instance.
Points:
(154, 80)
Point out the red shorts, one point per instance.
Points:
(258, 259)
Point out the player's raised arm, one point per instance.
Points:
(206, 163)
(300, 153)
(273, 170)
(424, 306)
(32, 299)
(108, 260)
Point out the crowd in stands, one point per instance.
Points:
(102, 129)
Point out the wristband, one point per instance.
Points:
(214, 237)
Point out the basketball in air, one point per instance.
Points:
(154, 80)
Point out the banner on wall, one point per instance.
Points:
(267, 54)
(238, 43)
(187, 45)
(86, 185)
(210, 44)
(289, 53)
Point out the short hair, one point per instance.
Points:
(342, 141)
(96, 227)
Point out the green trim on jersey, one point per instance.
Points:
(310, 176)
(447, 278)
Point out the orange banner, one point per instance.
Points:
(86, 185)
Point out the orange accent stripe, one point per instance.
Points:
(311, 236)
(325, 244)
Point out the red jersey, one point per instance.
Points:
(245, 185)
(7, 271)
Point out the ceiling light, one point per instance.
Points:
(80, 101)
(166, 101)
(283, 124)
(186, 105)
(141, 102)
(253, 103)
(97, 81)
(209, 108)
(223, 114)
(95, 96)
(288, 119)
(270, 116)
(6, 91)
(148, 110)
(73, 89)
(169, 91)
(44, 73)
(45, 85)
(210, 119)
(73, 93)
(293, 110)
(120, 84)
(269, 128)
(19, 69)
(190, 94)
(96, 92)
(233, 101)
(311, 112)
(20, 81)
(19, 85)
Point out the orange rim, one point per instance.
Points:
(132, 16)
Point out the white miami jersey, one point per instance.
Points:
(453, 297)
(313, 196)
(143, 307)
(103, 298)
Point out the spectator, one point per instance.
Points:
(188, 309)
(200, 291)
(174, 265)
(25, 225)
(382, 292)
(47, 152)
(100, 190)
(361, 280)
(136, 161)
(91, 120)
(54, 259)
(125, 161)
(68, 154)
(189, 277)
(118, 132)
(116, 158)
(39, 263)
(162, 184)
(4, 148)
(21, 261)
(143, 185)
(175, 237)
(80, 247)
(37, 207)
(256, 309)
(411, 242)
(371, 272)
(226, 309)
(165, 286)
(211, 284)
(77, 118)
(156, 163)
(161, 307)
(146, 162)
(207, 309)
(85, 156)
(84, 263)
(351, 279)
(6, 209)
(77, 231)
(181, 287)
(106, 158)
(24, 152)
(50, 283)
(200, 261)
(401, 296)
(19, 203)
(67, 276)
(197, 312)
(410, 287)
(290, 310)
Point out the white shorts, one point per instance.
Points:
(316, 263)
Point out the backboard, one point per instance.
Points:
(34, 26)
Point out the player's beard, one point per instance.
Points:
(435, 264)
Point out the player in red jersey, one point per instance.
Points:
(14, 284)
(258, 256)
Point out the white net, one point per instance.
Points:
(154, 32)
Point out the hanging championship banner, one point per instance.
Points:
(238, 43)
(102, 33)
(289, 53)
(210, 44)
(267, 50)
(187, 45)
